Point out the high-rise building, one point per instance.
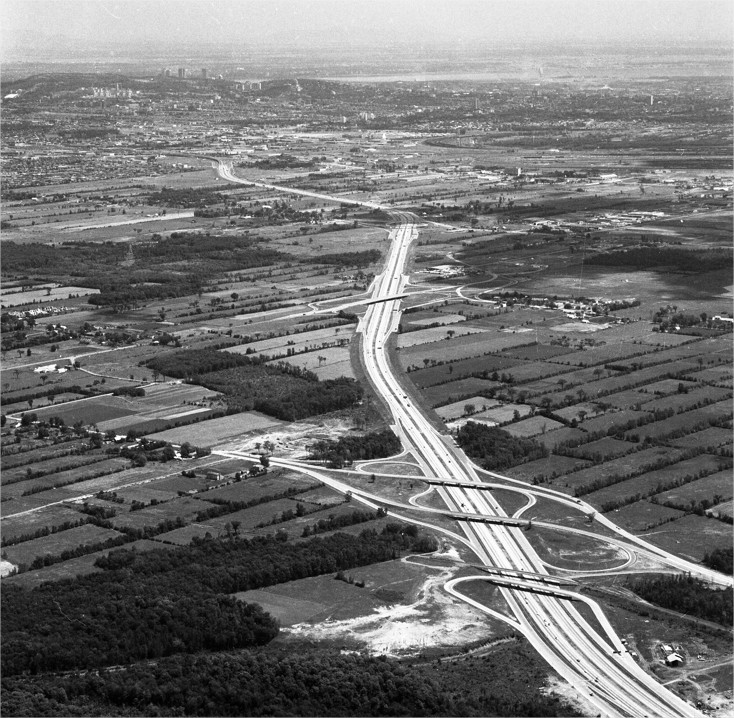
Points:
(203, 73)
(181, 73)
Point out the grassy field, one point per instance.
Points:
(651, 480)
(13, 526)
(218, 431)
(642, 515)
(443, 394)
(691, 536)
(53, 545)
(706, 488)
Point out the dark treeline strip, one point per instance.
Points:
(686, 594)
(347, 259)
(375, 445)
(682, 259)
(156, 603)
(496, 449)
(269, 682)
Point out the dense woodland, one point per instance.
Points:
(281, 390)
(686, 594)
(174, 266)
(376, 445)
(496, 449)
(145, 605)
(309, 682)
(720, 559)
(681, 259)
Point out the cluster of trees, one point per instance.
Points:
(495, 448)
(334, 522)
(375, 445)
(347, 259)
(284, 391)
(720, 559)
(267, 681)
(152, 604)
(682, 259)
(186, 197)
(686, 594)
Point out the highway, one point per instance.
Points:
(597, 666)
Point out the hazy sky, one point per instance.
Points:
(40, 23)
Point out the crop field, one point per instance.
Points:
(642, 516)
(538, 352)
(50, 466)
(13, 526)
(534, 370)
(458, 408)
(460, 347)
(691, 536)
(708, 439)
(688, 400)
(719, 376)
(88, 411)
(70, 476)
(315, 599)
(24, 553)
(45, 293)
(299, 342)
(685, 422)
(258, 487)
(438, 374)
(546, 469)
(185, 507)
(613, 420)
(218, 431)
(553, 439)
(718, 484)
(443, 394)
(656, 480)
(606, 448)
(79, 566)
(601, 355)
(427, 317)
(532, 426)
(504, 413)
(435, 334)
(624, 465)
(325, 363)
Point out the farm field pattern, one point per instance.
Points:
(205, 370)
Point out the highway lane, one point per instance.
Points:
(557, 630)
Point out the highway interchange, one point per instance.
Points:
(598, 666)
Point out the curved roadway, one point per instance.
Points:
(596, 666)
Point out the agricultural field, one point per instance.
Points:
(643, 516)
(217, 431)
(691, 536)
(53, 545)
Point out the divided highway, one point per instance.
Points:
(597, 666)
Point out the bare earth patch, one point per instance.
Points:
(434, 619)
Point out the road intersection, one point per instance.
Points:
(598, 666)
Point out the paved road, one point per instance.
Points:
(597, 666)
